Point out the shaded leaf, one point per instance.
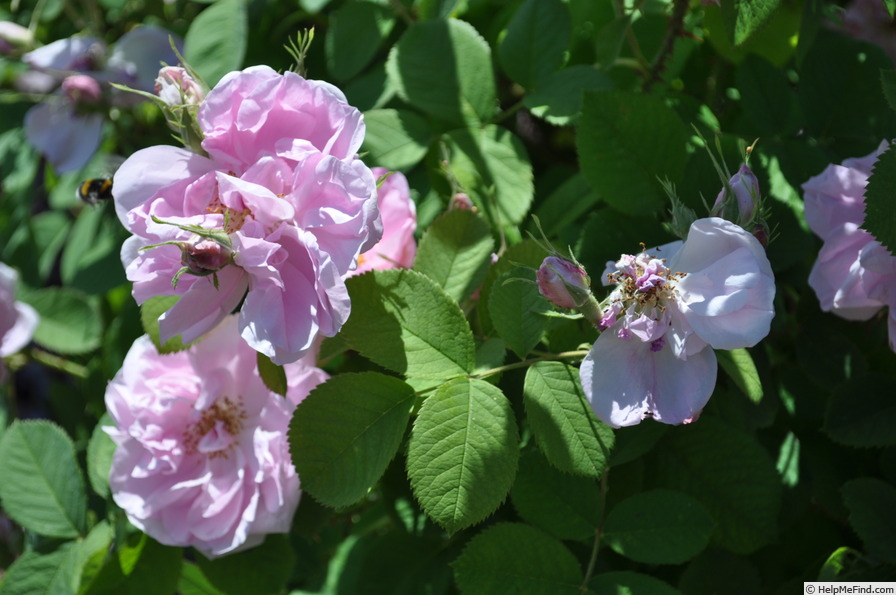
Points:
(403, 321)
(343, 435)
(517, 558)
(42, 487)
(564, 425)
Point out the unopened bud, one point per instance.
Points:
(82, 89)
(176, 87)
(461, 202)
(563, 283)
(204, 257)
(738, 200)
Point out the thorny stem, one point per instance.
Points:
(598, 532)
(673, 31)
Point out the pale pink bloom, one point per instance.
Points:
(671, 307)
(854, 276)
(17, 320)
(397, 248)
(563, 283)
(67, 126)
(282, 183)
(202, 457)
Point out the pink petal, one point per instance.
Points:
(626, 382)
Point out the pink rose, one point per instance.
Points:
(671, 307)
(17, 320)
(854, 276)
(399, 214)
(281, 186)
(202, 456)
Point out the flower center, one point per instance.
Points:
(217, 428)
(644, 288)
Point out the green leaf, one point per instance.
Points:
(69, 322)
(610, 39)
(491, 166)
(630, 583)
(658, 527)
(355, 33)
(193, 582)
(262, 569)
(838, 564)
(444, 68)
(537, 37)
(888, 82)
(566, 506)
(518, 310)
(632, 442)
(880, 202)
(730, 473)
(90, 555)
(404, 321)
(100, 451)
(872, 513)
(558, 99)
(719, 571)
(91, 260)
(626, 142)
(463, 452)
(566, 206)
(42, 487)
(343, 435)
(516, 558)
(767, 97)
(739, 366)
(743, 18)
(862, 412)
(455, 252)
(395, 139)
(33, 573)
(149, 317)
(526, 253)
(140, 566)
(273, 376)
(215, 43)
(562, 421)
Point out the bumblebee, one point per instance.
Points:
(94, 190)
